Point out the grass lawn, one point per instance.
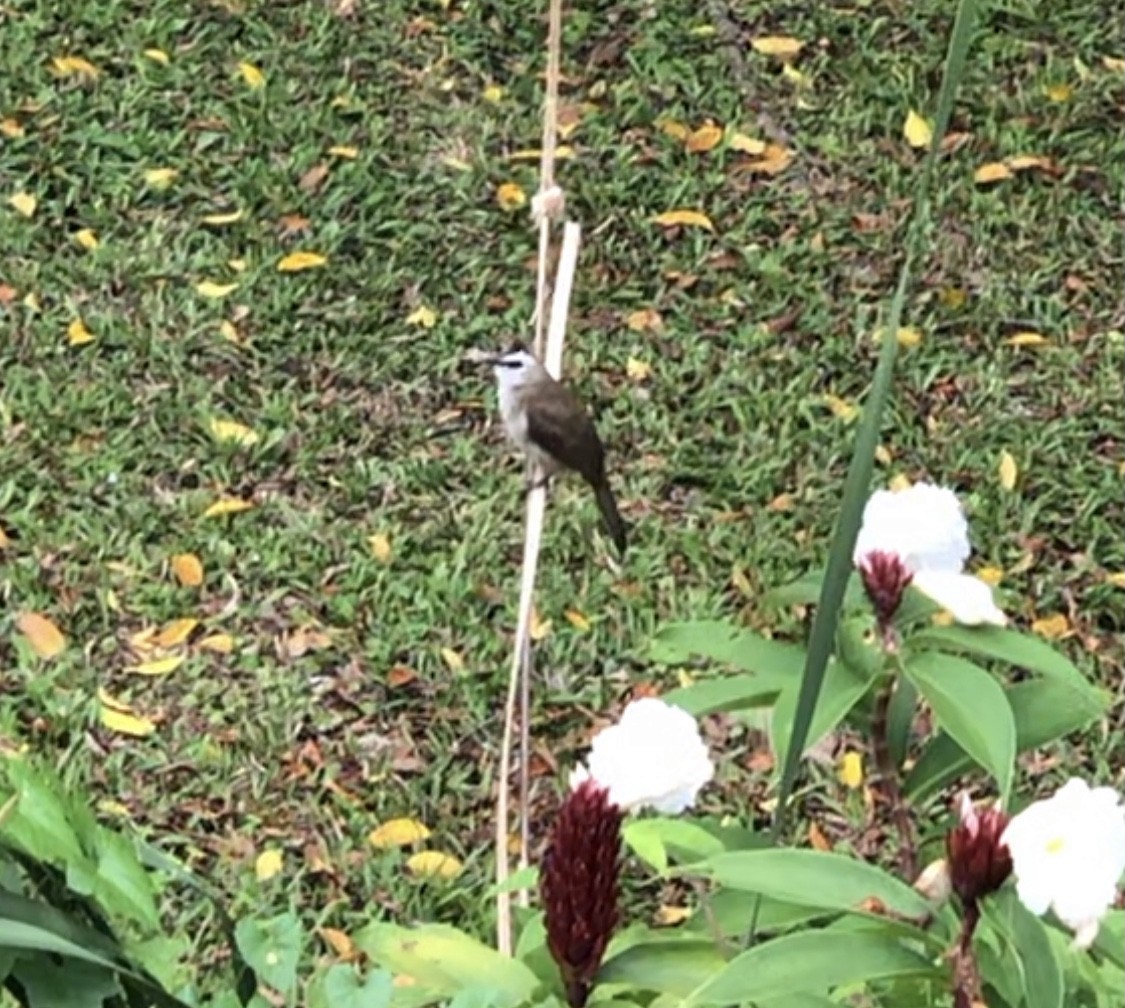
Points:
(335, 681)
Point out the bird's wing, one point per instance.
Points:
(558, 423)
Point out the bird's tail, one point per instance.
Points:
(614, 523)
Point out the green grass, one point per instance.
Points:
(371, 424)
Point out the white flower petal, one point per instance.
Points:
(1068, 854)
(924, 525)
(653, 757)
(968, 599)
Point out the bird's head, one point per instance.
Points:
(515, 367)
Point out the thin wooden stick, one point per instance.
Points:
(519, 681)
(521, 653)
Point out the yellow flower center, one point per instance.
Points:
(1056, 845)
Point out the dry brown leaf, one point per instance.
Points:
(645, 320)
(1053, 627)
(747, 144)
(188, 569)
(774, 160)
(46, 640)
(994, 171)
(704, 139)
(312, 179)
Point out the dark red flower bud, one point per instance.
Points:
(978, 863)
(579, 886)
(885, 578)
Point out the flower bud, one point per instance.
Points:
(885, 578)
(579, 886)
(979, 863)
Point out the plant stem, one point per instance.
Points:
(889, 784)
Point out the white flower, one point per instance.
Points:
(1068, 853)
(926, 529)
(653, 757)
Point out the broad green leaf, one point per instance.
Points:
(272, 947)
(41, 823)
(446, 960)
(652, 839)
(48, 984)
(668, 967)
(900, 719)
(122, 885)
(806, 591)
(1042, 974)
(730, 693)
(729, 912)
(525, 878)
(1011, 646)
(843, 687)
(342, 987)
(727, 643)
(810, 962)
(1111, 937)
(814, 879)
(971, 706)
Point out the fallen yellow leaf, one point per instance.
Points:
(684, 218)
(851, 770)
(540, 628)
(747, 144)
(645, 320)
(493, 94)
(638, 370)
(228, 331)
(161, 178)
(562, 153)
(1117, 579)
(297, 261)
(1025, 161)
(24, 204)
(339, 942)
(398, 833)
(157, 666)
(577, 620)
(87, 239)
(668, 915)
(126, 723)
(781, 46)
(917, 131)
(157, 56)
(899, 483)
(451, 658)
(909, 336)
(991, 575)
(433, 864)
(1113, 64)
(841, 408)
(422, 316)
(11, 128)
(345, 152)
(994, 171)
(45, 638)
(226, 506)
(268, 864)
(704, 139)
(77, 334)
(252, 75)
(774, 160)
(220, 643)
(188, 569)
(380, 547)
(210, 289)
(1059, 92)
(219, 219)
(1007, 470)
(1026, 339)
(676, 130)
(1052, 627)
(74, 66)
(883, 455)
(143, 640)
(176, 632)
(232, 430)
(510, 196)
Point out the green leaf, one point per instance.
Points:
(842, 689)
(272, 947)
(729, 693)
(900, 719)
(342, 987)
(46, 984)
(1042, 974)
(728, 910)
(122, 885)
(806, 589)
(651, 840)
(1043, 711)
(971, 706)
(447, 960)
(41, 823)
(724, 642)
(1011, 646)
(839, 569)
(812, 962)
(669, 967)
(813, 878)
(525, 878)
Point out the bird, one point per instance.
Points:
(548, 422)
